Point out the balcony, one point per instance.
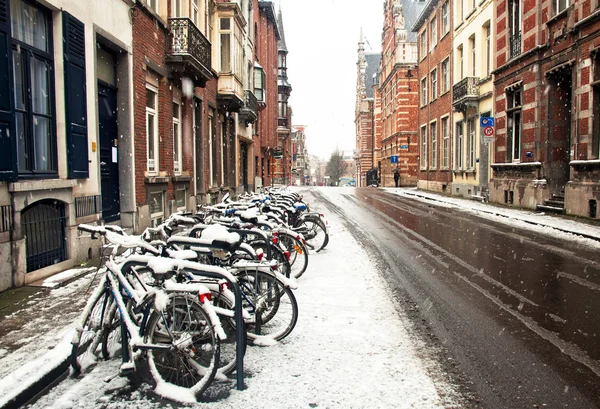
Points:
(465, 93)
(188, 52)
(515, 44)
(282, 123)
(249, 112)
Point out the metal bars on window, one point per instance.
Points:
(88, 205)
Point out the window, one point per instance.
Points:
(282, 106)
(152, 5)
(424, 91)
(209, 20)
(445, 143)
(473, 4)
(560, 5)
(177, 163)
(445, 18)
(459, 8)
(514, 27)
(212, 148)
(177, 9)
(152, 128)
(423, 44)
(446, 75)
(180, 199)
(471, 148)
(157, 206)
(259, 81)
(461, 73)
(32, 58)
(223, 145)
(596, 107)
(434, 84)
(459, 145)
(195, 12)
(433, 32)
(433, 145)
(423, 147)
(488, 49)
(473, 56)
(513, 131)
(225, 29)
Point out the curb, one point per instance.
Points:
(40, 386)
(587, 236)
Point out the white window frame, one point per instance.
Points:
(445, 143)
(434, 84)
(473, 44)
(488, 48)
(513, 131)
(195, 13)
(184, 207)
(433, 33)
(177, 141)
(158, 217)
(459, 154)
(152, 5)
(211, 131)
(226, 32)
(152, 163)
(433, 132)
(471, 143)
(461, 62)
(423, 161)
(177, 8)
(446, 76)
(557, 4)
(423, 43)
(423, 91)
(445, 18)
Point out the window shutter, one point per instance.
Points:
(75, 97)
(8, 147)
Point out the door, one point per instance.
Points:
(109, 158)
(244, 157)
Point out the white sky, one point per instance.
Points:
(322, 40)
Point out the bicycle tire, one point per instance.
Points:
(320, 237)
(298, 254)
(285, 267)
(85, 351)
(228, 356)
(195, 346)
(277, 305)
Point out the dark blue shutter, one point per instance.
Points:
(8, 146)
(75, 97)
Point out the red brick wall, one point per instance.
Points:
(442, 105)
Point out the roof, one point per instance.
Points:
(424, 15)
(269, 9)
(371, 70)
(412, 9)
(281, 46)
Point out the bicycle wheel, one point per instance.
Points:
(272, 306)
(191, 362)
(317, 236)
(86, 350)
(276, 254)
(298, 254)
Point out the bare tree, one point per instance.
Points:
(335, 166)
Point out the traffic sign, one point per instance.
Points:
(403, 146)
(394, 159)
(485, 121)
(488, 131)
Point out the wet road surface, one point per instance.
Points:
(515, 313)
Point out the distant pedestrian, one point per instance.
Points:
(396, 176)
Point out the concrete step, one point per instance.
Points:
(550, 209)
(555, 203)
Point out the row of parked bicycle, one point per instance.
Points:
(188, 295)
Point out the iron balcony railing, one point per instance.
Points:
(251, 101)
(187, 39)
(282, 122)
(467, 87)
(515, 44)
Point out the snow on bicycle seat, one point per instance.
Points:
(250, 216)
(218, 236)
(182, 254)
(300, 206)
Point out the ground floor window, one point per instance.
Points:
(181, 199)
(157, 208)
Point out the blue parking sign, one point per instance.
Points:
(394, 159)
(485, 121)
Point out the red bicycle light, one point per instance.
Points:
(274, 266)
(204, 297)
(225, 286)
(287, 255)
(260, 256)
(275, 240)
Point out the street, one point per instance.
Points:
(515, 312)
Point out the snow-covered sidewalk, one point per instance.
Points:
(551, 225)
(351, 348)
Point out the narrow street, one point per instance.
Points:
(515, 313)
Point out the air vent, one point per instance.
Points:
(3, 12)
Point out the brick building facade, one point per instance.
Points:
(546, 147)
(398, 93)
(434, 27)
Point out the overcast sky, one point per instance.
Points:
(322, 40)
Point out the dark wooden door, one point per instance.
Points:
(109, 158)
